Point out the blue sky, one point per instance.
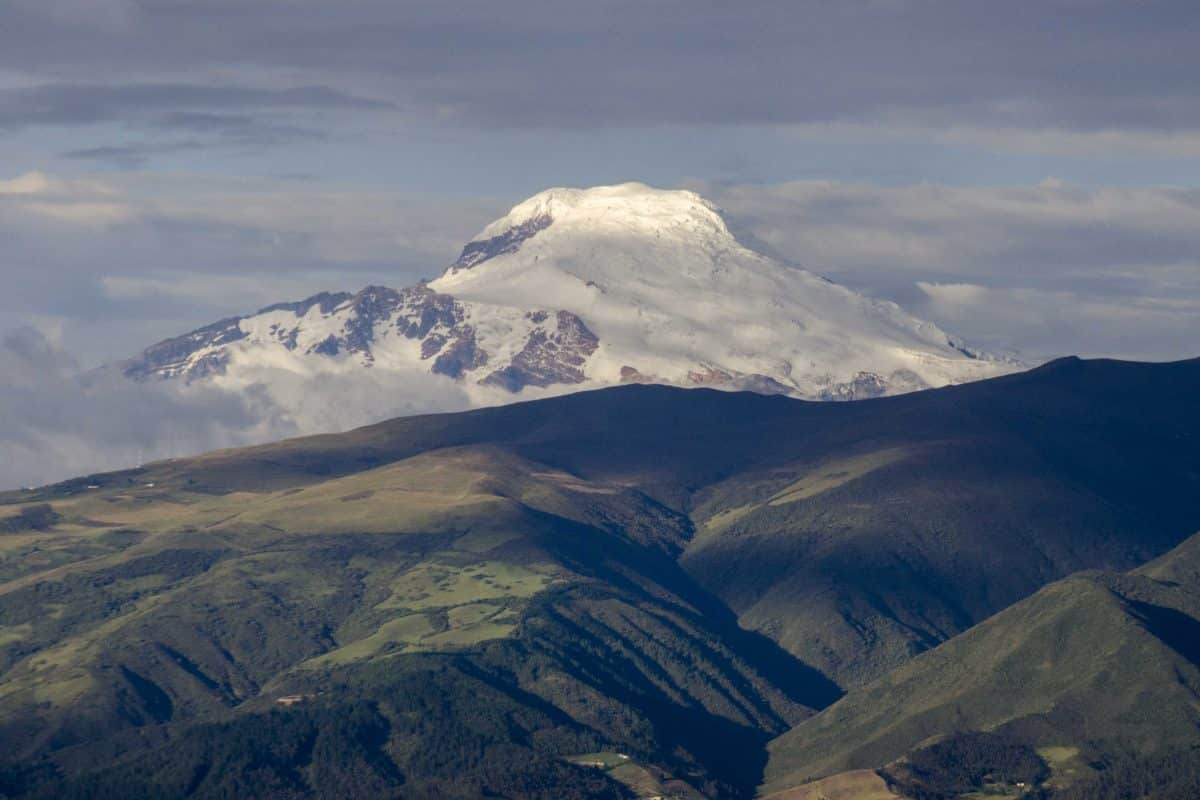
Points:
(1025, 173)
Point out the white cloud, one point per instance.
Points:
(140, 257)
(29, 183)
(57, 422)
(80, 203)
(954, 299)
(1135, 328)
(1048, 269)
(83, 213)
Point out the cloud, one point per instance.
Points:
(57, 421)
(171, 105)
(1111, 72)
(1111, 326)
(1048, 269)
(139, 257)
(29, 183)
(955, 299)
(104, 15)
(35, 197)
(206, 115)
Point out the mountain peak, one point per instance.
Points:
(628, 211)
(577, 288)
(624, 201)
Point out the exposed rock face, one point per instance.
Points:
(724, 379)
(633, 375)
(426, 311)
(508, 242)
(459, 356)
(866, 385)
(369, 307)
(325, 301)
(552, 354)
(193, 355)
(556, 345)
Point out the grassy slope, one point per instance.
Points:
(902, 523)
(169, 606)
(1094, 658)
(856, 535)
(853, 534)
(856, 785)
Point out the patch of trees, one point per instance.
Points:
(963, 763)
(31, 518)
(423, 731)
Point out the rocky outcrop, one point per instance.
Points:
(552, 354)
(866, 385)
(460, 356)
(739, 381)
(508, 242)
(555, 347)
(425, 313)
(184, 356)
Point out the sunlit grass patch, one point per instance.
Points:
(440, 585)
(833, 474)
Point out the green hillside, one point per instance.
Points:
(854, 534)
(676, 576)
(158, 607)
(1092, 666)
(900, 524)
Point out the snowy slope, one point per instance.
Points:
(577, 289)
(670, 293)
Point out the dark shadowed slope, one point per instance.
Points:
(900, 523)
(1096, 662)
(581, 562)
(854, 534)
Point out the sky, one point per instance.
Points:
(1026, 174)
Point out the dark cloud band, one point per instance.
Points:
(1080, 65)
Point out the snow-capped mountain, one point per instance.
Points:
(580, 288)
